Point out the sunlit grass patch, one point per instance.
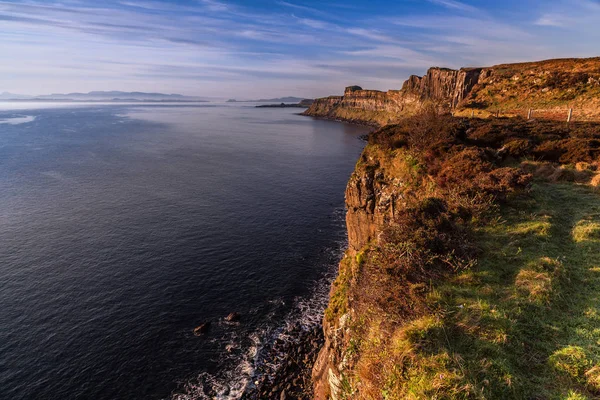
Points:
(535, 285)
(537, 281)
(421, 330)
(592, 377)
(537, 227)
(587, 230)
(573, 395)
(572, 361)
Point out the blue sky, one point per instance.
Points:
(249, 49)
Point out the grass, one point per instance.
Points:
(474, 287)
(525, 322)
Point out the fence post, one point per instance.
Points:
(472, 114)
(529, 114)
(570, 115)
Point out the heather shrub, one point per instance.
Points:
(424, 242)
(503, 181)
(568, 151)
(488, 135)
(550, 150)
(576, 150)
(516, 148)
(422, 132)
(566, 80)
(463, 166)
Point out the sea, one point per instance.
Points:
(123, 227)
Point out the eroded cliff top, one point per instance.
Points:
(472, 270)
(549, 88)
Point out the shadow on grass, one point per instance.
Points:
(525, 322)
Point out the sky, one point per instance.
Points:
(270, 48)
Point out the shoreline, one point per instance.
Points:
(292, 378)
(295, 358)
(358, 122)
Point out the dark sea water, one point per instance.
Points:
(123, 227)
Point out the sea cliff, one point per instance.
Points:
(468, 272)
(549, 88)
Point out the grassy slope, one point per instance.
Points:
(551, 87)
(525, 322)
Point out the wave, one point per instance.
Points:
(17, 120)
(256, 358)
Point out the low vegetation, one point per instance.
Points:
(549, 87)
(487, 284)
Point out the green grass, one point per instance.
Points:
(525, 322)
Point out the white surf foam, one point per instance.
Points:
(22, 119)
(307, 313)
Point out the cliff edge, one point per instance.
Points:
(472, 271)
(550, 88)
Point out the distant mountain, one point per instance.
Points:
(277, 100)
(103, 96)
(13, 96)
(117, 95)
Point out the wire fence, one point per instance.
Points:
(567, 114)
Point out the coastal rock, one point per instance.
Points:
(286, 365)
(233, 317)
(202, 328)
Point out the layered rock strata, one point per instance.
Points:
(550, 88)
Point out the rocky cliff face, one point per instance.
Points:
(443, 85)
(549, 87)
(370, 107)
(373, 197)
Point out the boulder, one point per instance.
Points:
(233, 317)
(202, 328)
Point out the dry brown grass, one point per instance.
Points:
(593, 378)
(450, 182)
(595, 181)
(535, 285)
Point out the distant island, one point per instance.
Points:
(305, 103)
(276, 100)
(116, 96)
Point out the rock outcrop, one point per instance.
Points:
(373, 197)
(443, 85)
(376, 190)
(549, 87)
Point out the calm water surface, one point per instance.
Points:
(123, 227)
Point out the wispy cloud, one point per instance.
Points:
(214, 5)
(553, 20)
(372, 34)
(455, 5)
(299, 7)
(308, 48)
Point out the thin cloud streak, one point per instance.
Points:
(222, 48)
(455, 5)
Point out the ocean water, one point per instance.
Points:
(123, 227)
